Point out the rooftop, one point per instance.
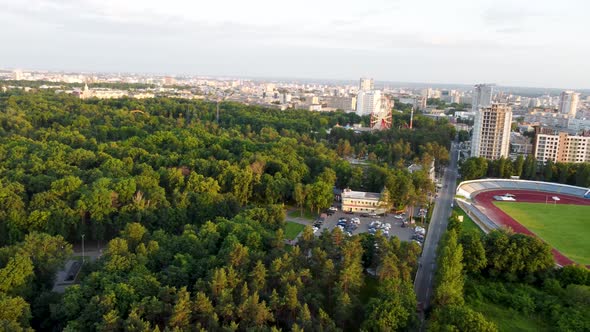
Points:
(347, 193)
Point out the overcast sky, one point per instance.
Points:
(510, 42)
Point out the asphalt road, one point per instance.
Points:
(424, 282)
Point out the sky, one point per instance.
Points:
(537, 43)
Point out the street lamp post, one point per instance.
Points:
(83, 258)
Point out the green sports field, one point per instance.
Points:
(565, 227)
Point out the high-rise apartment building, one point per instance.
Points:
(491, 132)
(367, 102)
(568, 103)
(366, 84)
(482, 96)
(561, 147)
(17, 74)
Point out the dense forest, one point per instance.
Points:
(511, 279)
(192, 214)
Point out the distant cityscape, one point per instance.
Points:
(551, 126)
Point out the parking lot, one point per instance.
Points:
(403, 233)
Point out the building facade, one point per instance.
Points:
(367, 102)
(366, 84)
(568, 103)
(561, 147)
(360, 201)
(491, 132)
(482, 96)
(347, 104)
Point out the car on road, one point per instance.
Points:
(333, 209)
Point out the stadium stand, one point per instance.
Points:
(468, 189)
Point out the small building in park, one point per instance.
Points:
(360, 201)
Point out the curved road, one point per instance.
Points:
(424, 282)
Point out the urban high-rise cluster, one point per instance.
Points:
(560, 131)
(471, 109)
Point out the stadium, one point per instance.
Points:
(559, 214)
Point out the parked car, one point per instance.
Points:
(364, 215)
(333, 208)
(348, 212)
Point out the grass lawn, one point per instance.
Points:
(306, 214)
(468, 224)
(565, 227)
(507, 319)
(293, 229)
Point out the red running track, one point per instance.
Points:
(485, 201)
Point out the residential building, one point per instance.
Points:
(346, 104)
(101, 93)
(286, 98)
(520, 145)
(482, 96)
(561, 147)
(491, 132)
(568, 103)
(360, 201)
(366, 84)
(17, 74)
(578, 125)
(367, 102)
(547, 117)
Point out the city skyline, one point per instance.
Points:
(457, 42)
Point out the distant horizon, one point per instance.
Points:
(399, 84)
